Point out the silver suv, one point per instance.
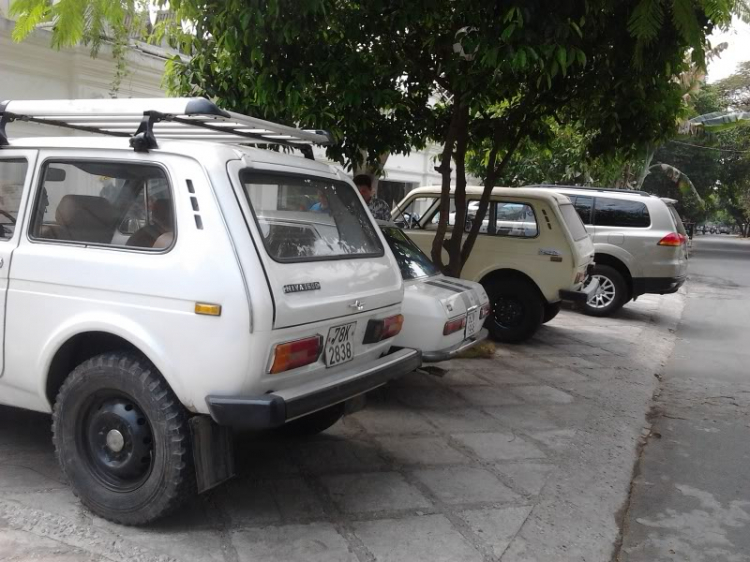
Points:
(640, 243)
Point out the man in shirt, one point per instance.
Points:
(379, 208)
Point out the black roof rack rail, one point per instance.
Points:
(143, 120)
(592, 188)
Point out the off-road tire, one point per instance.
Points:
(621, 294)
(528, 310)
(551, 309)
(169, 479)
(312, 424)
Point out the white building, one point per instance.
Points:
(32, 70)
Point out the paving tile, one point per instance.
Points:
(376, 491)
(421, 450)
(383, 421)
(429, 538)
(526, 418)
(316, 542)
(488, 396)
(505, 375)
(463, 377)
(528, 476)
(459, 485)
(559, 375)
(525, 363)
(262, 458)
(542, 395)
(499, 446)
(58, 502)
(438, 398)
(295, 499)
(26, 476)
(556, 439)
(497, 527)
(469, 419)
(339, 456)
(248, 502)
(20, 546)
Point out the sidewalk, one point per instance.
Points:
(524, 457)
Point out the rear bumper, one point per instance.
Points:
(657, 285)
(580, 296)
(468, 343)
(275, 409)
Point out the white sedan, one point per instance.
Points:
(443, 316)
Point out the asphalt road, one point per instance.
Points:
(691, 496)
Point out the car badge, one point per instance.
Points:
(357, 305)
(300, 287)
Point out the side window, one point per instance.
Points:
(104, 203)
(12, 177)
(413, 212)
(515, 219)
(583, 206)
(621, 213)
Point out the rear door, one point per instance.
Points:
(323, 256)
(16, 168)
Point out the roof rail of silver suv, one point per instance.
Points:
(143, 119)
(593, 188)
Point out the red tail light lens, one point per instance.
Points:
(484, 312)
(379, 330)
(452, 326)
(293, 354)
(673, 239)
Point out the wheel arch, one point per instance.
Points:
(504, 274)
(608, 259)
(80, 340)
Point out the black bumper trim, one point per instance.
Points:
(270, 410)
(657, 285)
(580, 296)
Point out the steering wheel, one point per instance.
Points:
(7, 215)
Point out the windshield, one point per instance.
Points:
(304, 218)
(574, 222)
(412, 262)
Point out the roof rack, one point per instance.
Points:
(592, 188)
(144, 119)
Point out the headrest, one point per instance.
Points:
(87, 218)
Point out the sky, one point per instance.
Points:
(738, 37)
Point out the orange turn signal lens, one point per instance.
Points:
(379, 330)
(452, 326)
(293, 354)
(208, 309)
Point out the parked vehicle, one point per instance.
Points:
(532, 253)
(724, 229)
(641, 244)
(163, 276)
(443, 316)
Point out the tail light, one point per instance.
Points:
(453, 326)
(673, 239)
(293, 354)
(484, 312)
(580, 277)
(379, 330)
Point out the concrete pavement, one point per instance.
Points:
(691, 500)
(525, 456)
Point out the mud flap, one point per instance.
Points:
(213, 452)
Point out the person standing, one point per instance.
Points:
(379, 208)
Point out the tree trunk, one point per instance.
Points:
(445, 191)
(455, 263)
(650, 151)
(374, 171)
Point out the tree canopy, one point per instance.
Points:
(389, 75)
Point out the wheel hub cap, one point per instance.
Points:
(508, 312)
(604, 295)
(115, 441)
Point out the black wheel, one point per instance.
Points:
(517, 310)
(122, 439)
(312, 424)
(611, 295)
(551, 309)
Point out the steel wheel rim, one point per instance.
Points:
(604, 295)
(508, 312)
(117, 441)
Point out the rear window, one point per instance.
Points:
(677, 220)
(622, 213)
(573, 222)
(412, 262)
(304, 218)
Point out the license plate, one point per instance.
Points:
(340, 344)
(472, 323)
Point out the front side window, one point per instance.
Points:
(304, 218)
(515, 219)
(412, 262)
(413, 212)
(621, 213)
(104, 203)
(12, 178)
